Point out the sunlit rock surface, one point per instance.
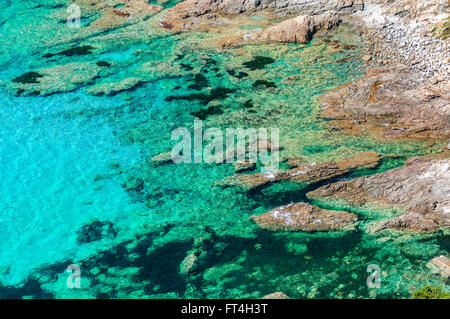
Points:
(303, 217)
(421, 188)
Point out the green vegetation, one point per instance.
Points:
(430, 292)
(29, 77)
(81, 50)
(258, 63)
(442, 31)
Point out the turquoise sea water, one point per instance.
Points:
(72, 158)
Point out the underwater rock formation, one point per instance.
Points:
(443, 263)
(421, 188)
(276, 295)
(114, 88)
(409, 222)
(57, 79)
(313, 172)
(96, 230)
(120, 13)
(162, 159)
(304, 217)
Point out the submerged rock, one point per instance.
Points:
(276, 295)
(132, 11)
(421, 188)
(188, 264)
(304, 217)
(409, 222)
(28, 77)
(313, 172)
(443, 263)
(114, 88)
(57, 79)
(96, 230)
(74, 51)
(162, 159)
(240, 167)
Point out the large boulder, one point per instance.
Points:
(297, 30)
(304, 217)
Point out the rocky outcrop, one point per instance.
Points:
(196, 14)
(421, 188)
(195, 8)
(409, 222)
(240, 167)
(297, 30)
(391, 103)
(161, 159)
(443, 263)
(304, 217)
(114, 88)
(57, 79)
(313, 172)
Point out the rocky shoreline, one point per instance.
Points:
(408, 98)
(403, 97)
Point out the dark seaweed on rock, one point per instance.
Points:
(248, 104)
(186, 67)
(258, 63)
(96, 230)
(81, 50)
(267, 84)
(202, 114)
(219, 93)
(103, 64)
(29, 77)
(200, 82)
(239, 75)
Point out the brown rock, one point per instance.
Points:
(443, 263)
(240, 167)
(162, 159)
(297, 30)
(421, 188)
(131, 11)
(276, 295)
(303, 217)
(313, 172)
(409, 222)
(292, 78)
(391, 103)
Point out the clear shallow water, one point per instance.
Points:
(72, 157)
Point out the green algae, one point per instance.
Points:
(218, 93)
(258, 62)
(103, 64)
(267, 84)
(75, 51)
(200, 82)
(28, 77)
(430, 292)
(202, 114)
(236, 74)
